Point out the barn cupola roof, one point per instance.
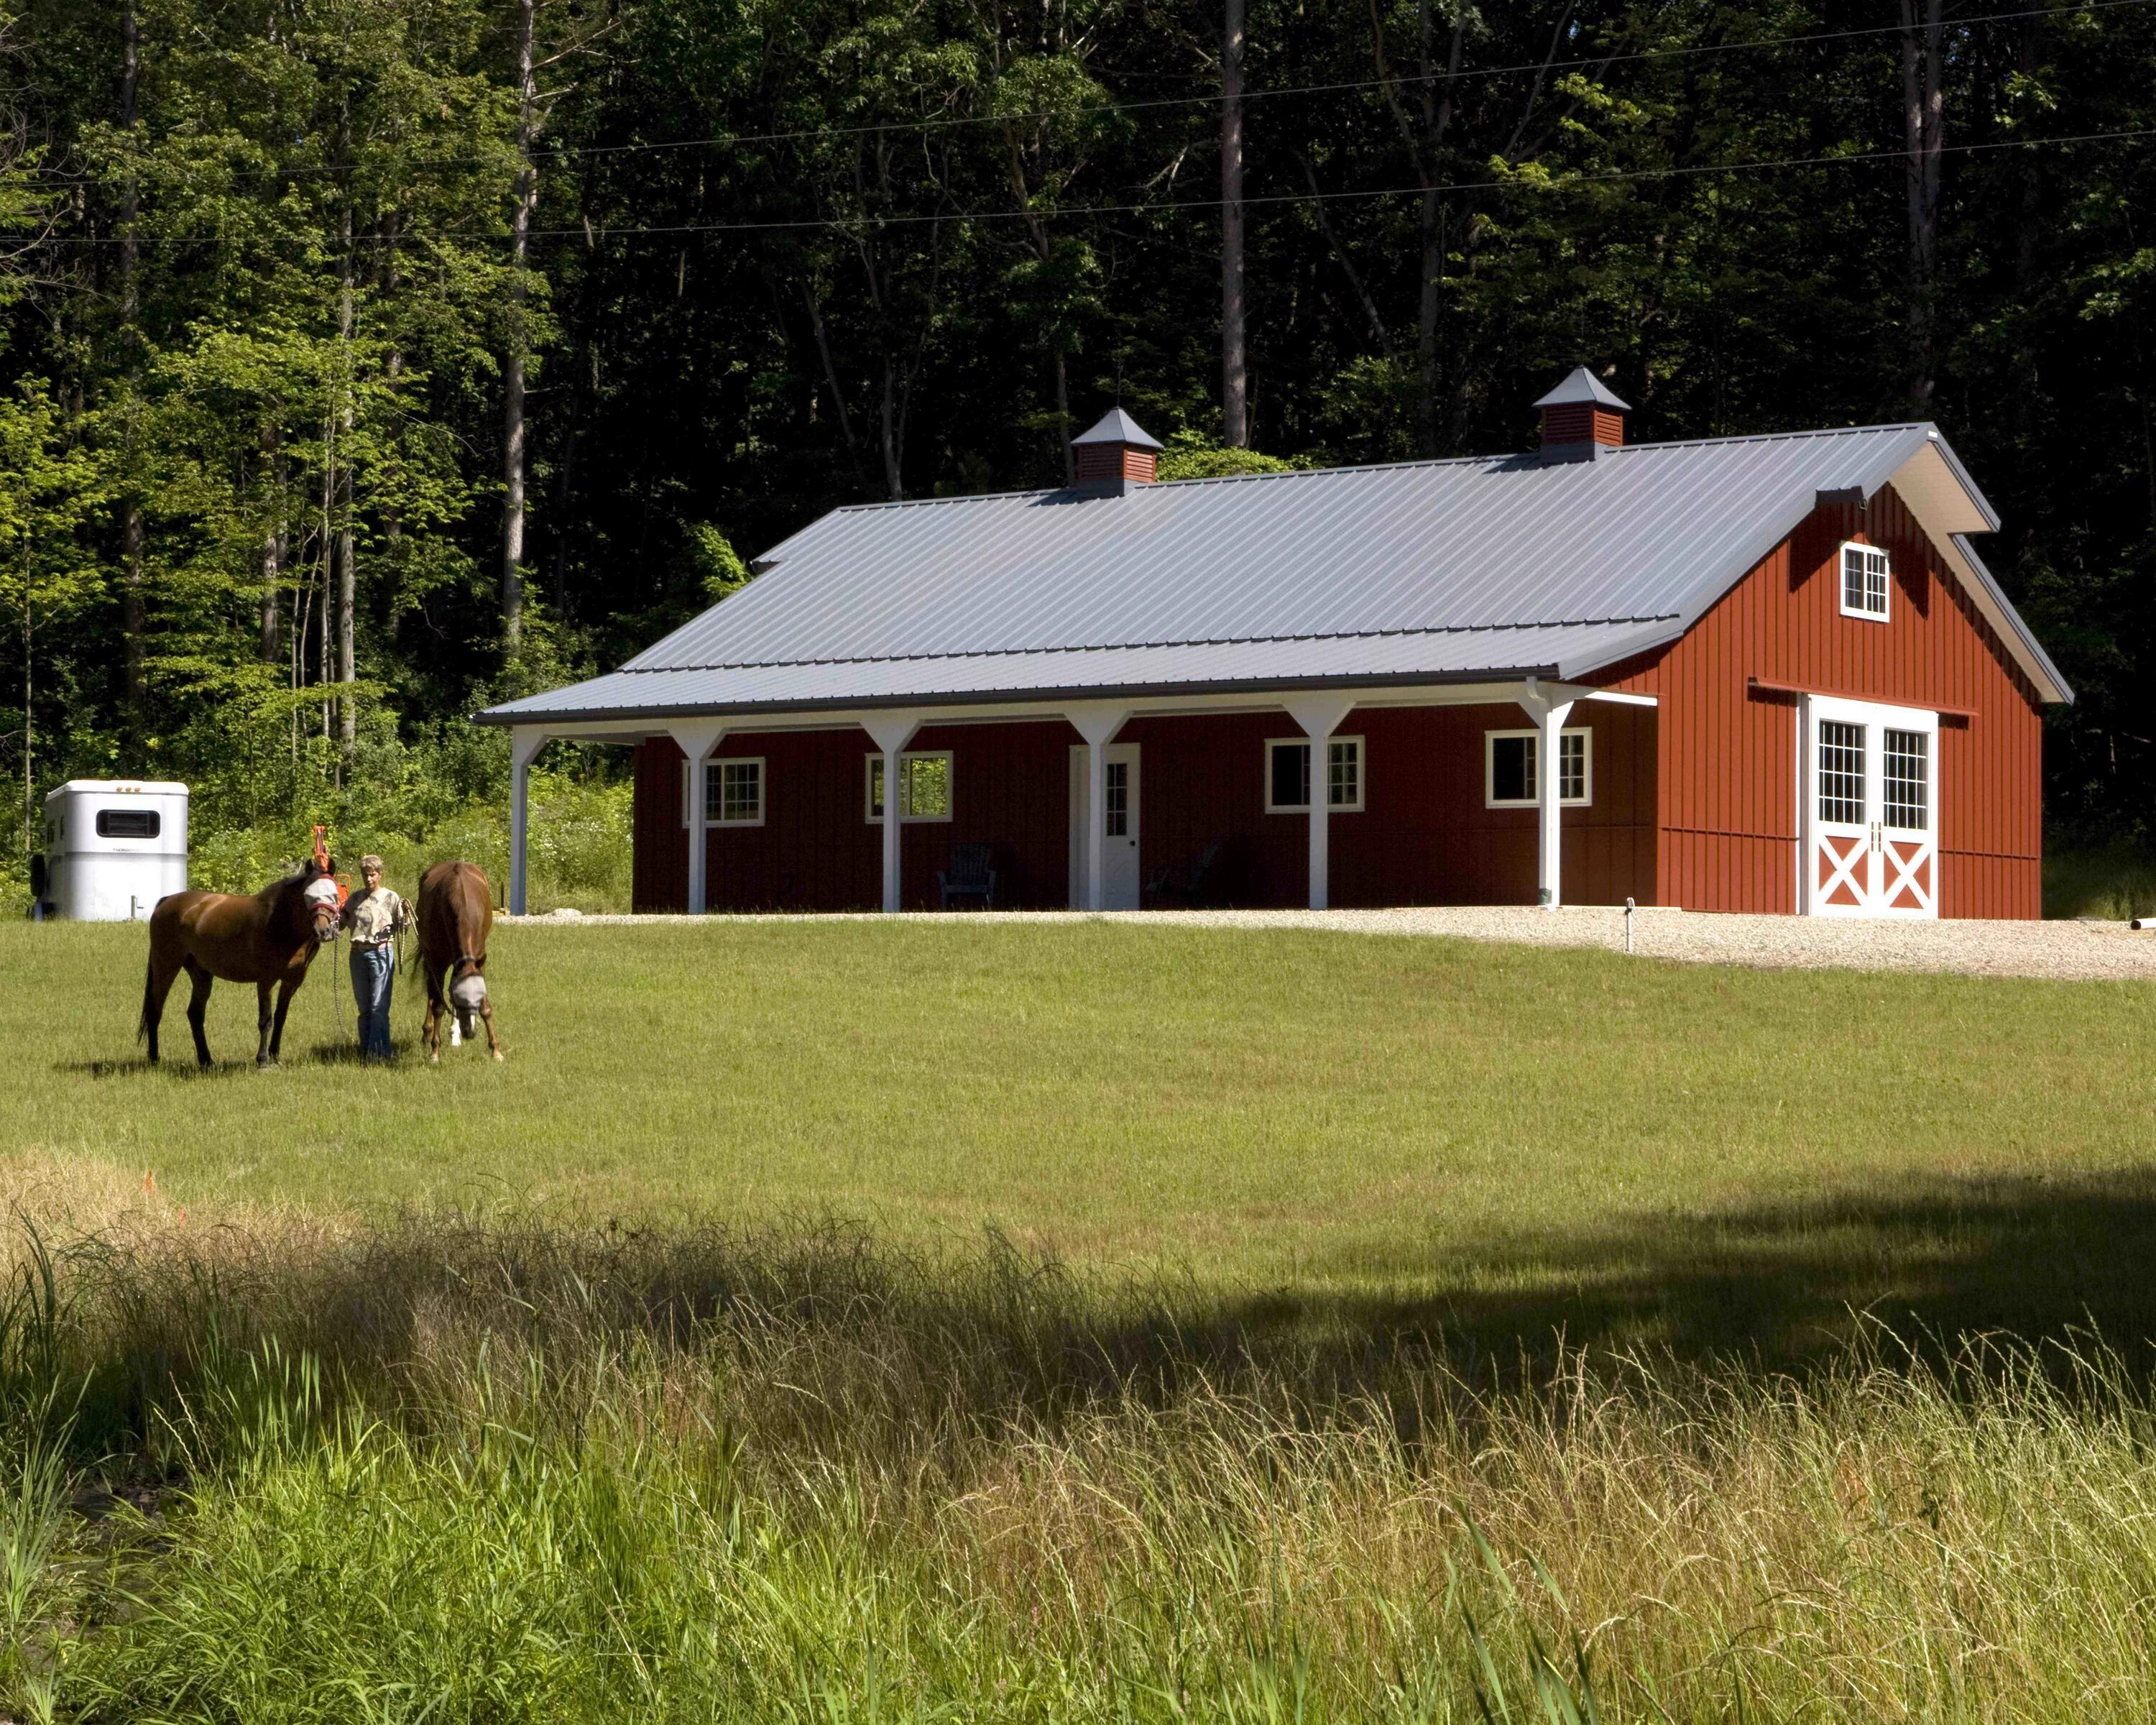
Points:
(1116, 455)
(1581, 417)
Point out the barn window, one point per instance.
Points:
(1864, 582)
(1842, 772)
(1287, 775)
(1907, 759)
(924, 786)
(1512, 769)
(733, 792)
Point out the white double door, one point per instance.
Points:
(1119, 848)
(1870, 787)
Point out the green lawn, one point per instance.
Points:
(1506, 1138)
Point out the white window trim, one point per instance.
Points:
(871, 761)
(1841, 582)
(1491, 799)
(1362, 776)
(712, 762)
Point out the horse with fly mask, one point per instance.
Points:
(456, 911)
(269, 939)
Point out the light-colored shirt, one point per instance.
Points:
(375, 914)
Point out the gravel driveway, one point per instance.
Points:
(2063, 950)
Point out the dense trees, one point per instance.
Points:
(365, 357)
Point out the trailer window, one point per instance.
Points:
(128, 824)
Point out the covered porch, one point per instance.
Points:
(1425, 795)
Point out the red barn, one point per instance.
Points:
(1737, 674)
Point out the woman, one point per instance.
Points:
(374, 915)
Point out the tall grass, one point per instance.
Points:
(442, 1469)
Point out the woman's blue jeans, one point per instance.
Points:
(374, 974)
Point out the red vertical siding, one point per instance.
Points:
(817, 851)
(1728, 755)
(1423, 836)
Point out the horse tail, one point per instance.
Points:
(148, 989)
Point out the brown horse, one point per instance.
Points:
(268, 940)
(456, 910)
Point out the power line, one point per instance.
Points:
(1559, 182)
(941, 122)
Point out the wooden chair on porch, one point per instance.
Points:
(970, 875)
(1193, 888)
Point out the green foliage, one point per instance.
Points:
(1191, 454)
(792, 254)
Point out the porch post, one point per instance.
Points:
(1549, 716)
(891, 734)
(525, 742)
(697, 741)
(1320, 716)
(1098, 726)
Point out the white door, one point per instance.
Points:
(1872, 810)
(1119, 849)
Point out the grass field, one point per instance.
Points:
(1079, 1322)
(1524, 1136)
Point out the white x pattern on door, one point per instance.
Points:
(1870, 802)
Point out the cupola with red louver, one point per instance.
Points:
(1581, 417)
(1116, 455)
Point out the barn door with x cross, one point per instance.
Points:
(1872, 810)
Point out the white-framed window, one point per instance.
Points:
(1511, 773)
(1865, 582)
(733, 792)
(1287, 775)
(924, 786)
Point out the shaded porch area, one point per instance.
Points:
(1434, 798)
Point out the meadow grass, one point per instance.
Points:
(1083, 1323)
(444, 1470)
(1524, 1138)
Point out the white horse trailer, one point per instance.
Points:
(113, 847)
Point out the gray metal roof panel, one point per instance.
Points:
(1581, 386)
(1116, 427)
(1211, 666)
(1417, 568)
(1505, 542)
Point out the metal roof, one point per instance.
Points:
(1436, 570)
(1116, 427)
(1582, 386)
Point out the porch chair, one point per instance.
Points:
(968, 876)
(1192, 891)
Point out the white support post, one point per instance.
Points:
(697, 741)
(1098, 726)
(1320, 716)
(1549, 716)
(525, 742)
(890, 733)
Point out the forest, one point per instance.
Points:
(362, 360)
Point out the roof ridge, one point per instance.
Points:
(1419, 461)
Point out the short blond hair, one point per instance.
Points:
(370, 861)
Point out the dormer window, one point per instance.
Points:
(1864, 583)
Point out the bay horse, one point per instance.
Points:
(456, 911)
(268, 939)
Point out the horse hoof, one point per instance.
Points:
(499, 1056)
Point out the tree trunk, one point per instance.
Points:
(512, 419)
(1923, 96)
(132, 620)
(347, 573)
(273, 540)
(1235, 355)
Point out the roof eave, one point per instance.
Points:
(507, 715)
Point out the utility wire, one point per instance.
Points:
(941, 122)
(1559, 180)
